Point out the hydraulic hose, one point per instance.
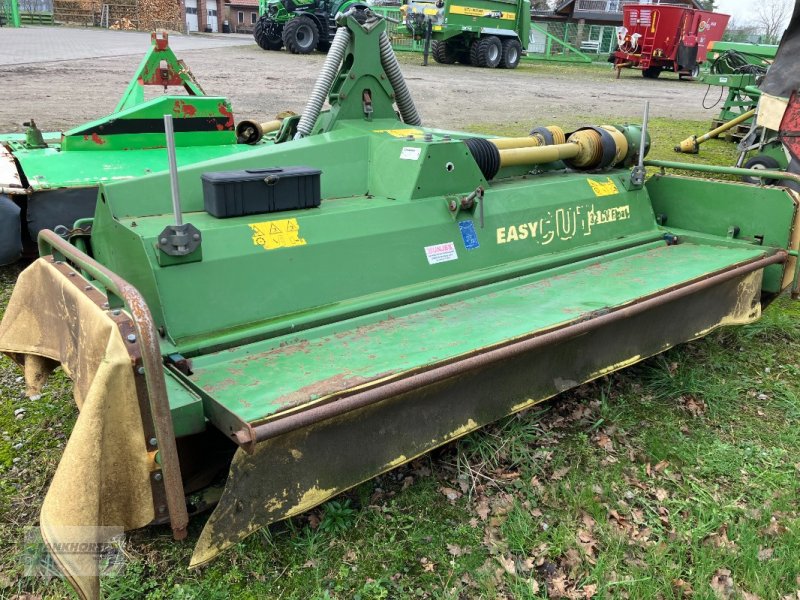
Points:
(324, 82)
(402, 97)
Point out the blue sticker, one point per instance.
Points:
(468, 235)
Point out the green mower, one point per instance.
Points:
(257, 333)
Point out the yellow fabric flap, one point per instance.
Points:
(102, 481)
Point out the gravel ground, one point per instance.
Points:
(61, 94)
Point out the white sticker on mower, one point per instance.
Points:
(410, 153)
(441, 253)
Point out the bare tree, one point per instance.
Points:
(771, 17)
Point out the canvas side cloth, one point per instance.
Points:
(102, 481)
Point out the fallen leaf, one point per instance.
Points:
(313, 520)
(507, 563)
(604, 442)
(682, 589)
(722, 584)
(349, 556)
(526, 565)
(482, 508)
(661, 494)
(765, 553)
(774, 527)
(557, 587)
(693, 406)
(559, 474)
(719, 539)
(310, 563)
(661, 466)
(408, 482)
(589, 590)
(427, 565)
(450, 493)
(455, 550)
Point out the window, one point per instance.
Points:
(212, 12)
(252, 18)
(191, 10)
(240, 17)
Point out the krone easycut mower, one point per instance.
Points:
(302, 317)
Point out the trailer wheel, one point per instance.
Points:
(652, 72)
(442, 53)
(512, 52)
(764, 162)
(300, 35)
(486, 52)
(267, 33)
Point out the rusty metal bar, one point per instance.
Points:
(147, 337)
(247, 438)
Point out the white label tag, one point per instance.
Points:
(409, 153)
(441, 253)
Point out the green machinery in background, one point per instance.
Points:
(9, 13)
(49, 180)
(737, 68)
(301, 25)
(482, 33)
(297, 319)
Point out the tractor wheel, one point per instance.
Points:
(486, 52)
(300, 35)
(323, 45)
(651, 72)
(761, 161)
(267, 33)
(512, 52)
(442, 53)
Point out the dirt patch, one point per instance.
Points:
(260, 84)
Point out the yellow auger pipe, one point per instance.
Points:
(691, 145)
(584, 149)
(536, 138)
(510, 157)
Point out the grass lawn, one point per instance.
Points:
(676, 478)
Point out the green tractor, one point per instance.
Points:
(301, 25)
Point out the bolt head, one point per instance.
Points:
(140, 370)
(163, 241)
(115, 312)
(131, 337)
(153, 441)
(158, 476)
(196, 236)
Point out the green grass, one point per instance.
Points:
(643, 484)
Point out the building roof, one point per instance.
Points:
(566, 6)
(244, 3)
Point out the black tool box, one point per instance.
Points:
(254, 191)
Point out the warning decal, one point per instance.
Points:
(603, 188)
(440, 253)
(283, 233)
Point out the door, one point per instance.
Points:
(212, 20)
(191, 15)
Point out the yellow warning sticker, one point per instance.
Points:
(430, 11)
(283, 233)
(399, 133)
(603, 188)
(481, 12)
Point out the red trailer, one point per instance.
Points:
(663, 37)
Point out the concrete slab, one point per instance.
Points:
(28, 45)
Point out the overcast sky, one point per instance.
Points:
(741, 9)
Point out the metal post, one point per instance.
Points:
(638, 172)
(173, 169)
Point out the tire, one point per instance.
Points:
(486, 52)
(462, 56)
(301, 35)
(442, 53)
(512, 53)
(651, 72)
(764, 162)
(267, 33)
(323, 45)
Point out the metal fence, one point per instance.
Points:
(571, 42)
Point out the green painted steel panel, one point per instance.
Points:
(185, 405)
(50, 168)
(762, 215)
(264, 378)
